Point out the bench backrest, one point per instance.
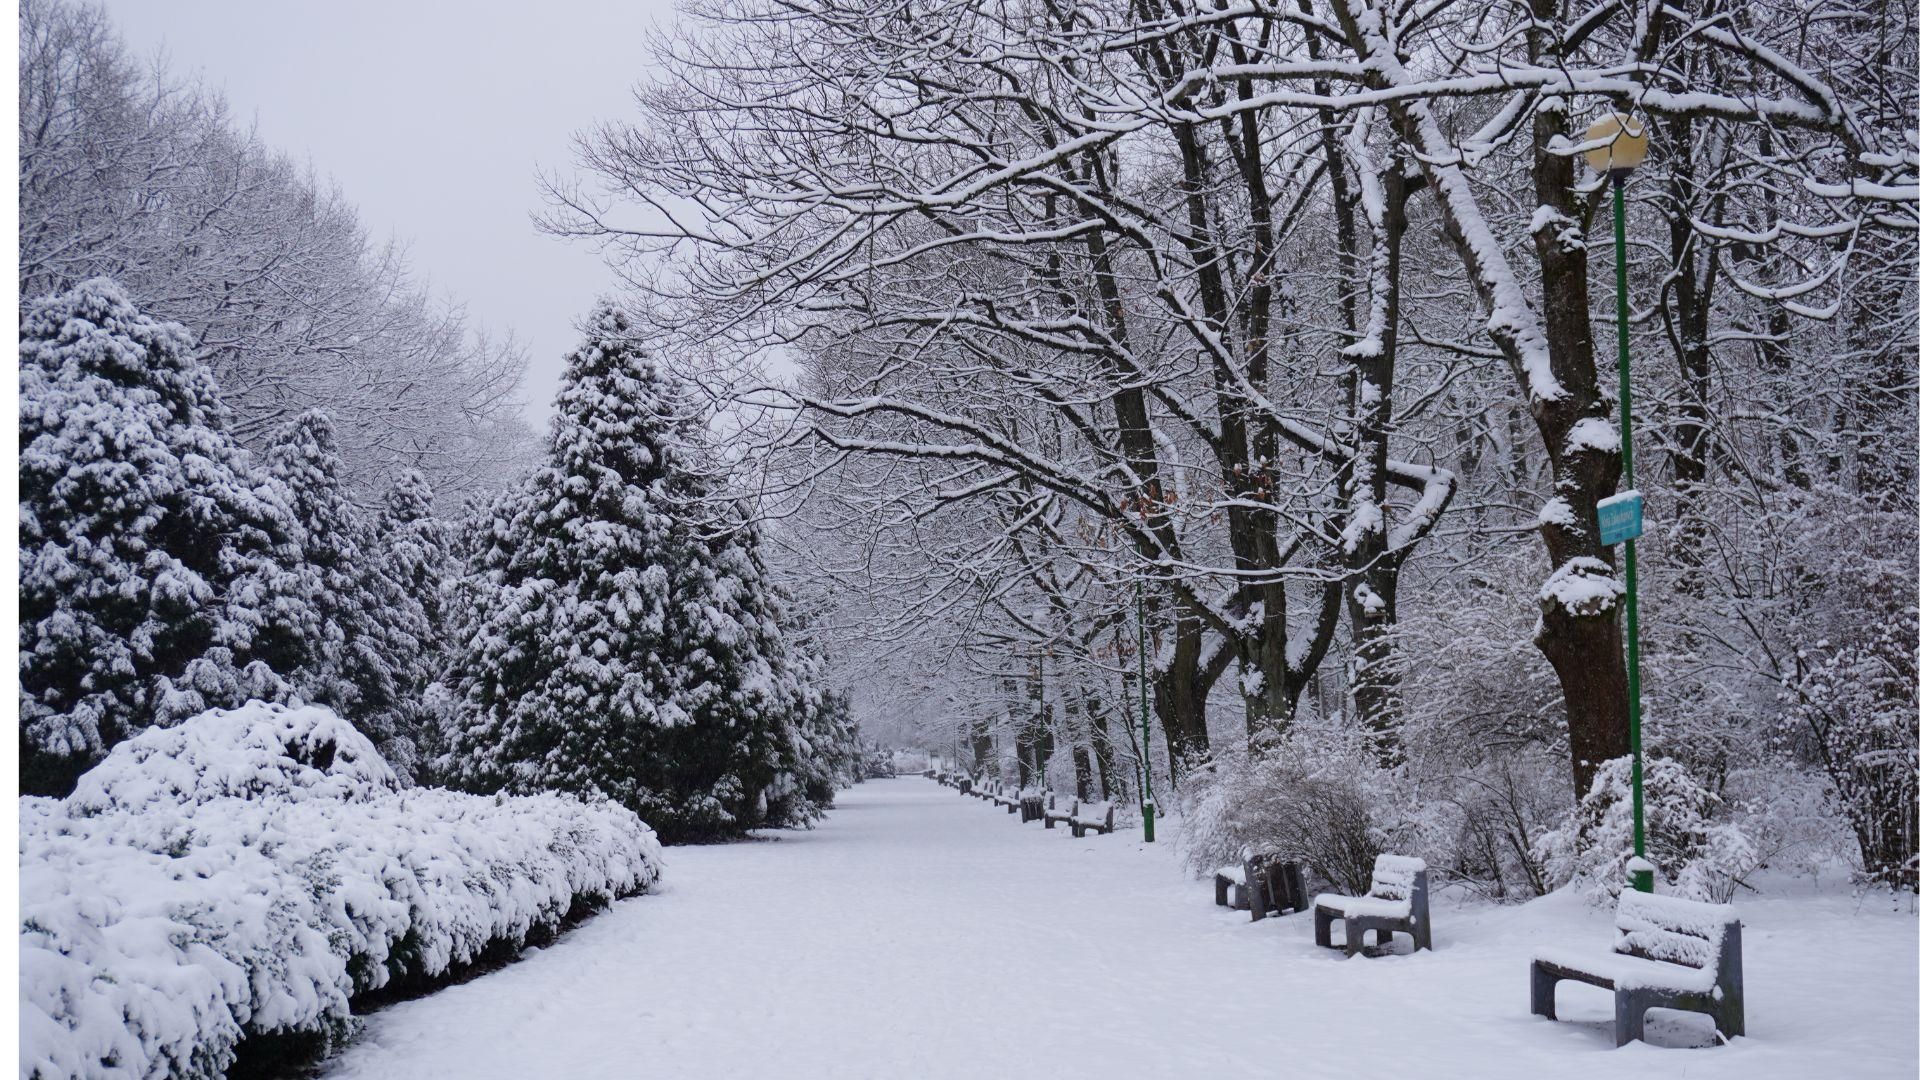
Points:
(1669, 928)
(1395, 877)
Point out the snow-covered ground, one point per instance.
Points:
(920, 934)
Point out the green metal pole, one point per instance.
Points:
(1146, 732)
(1642, 879)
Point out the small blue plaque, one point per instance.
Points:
(1620, 517)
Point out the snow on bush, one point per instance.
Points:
(252, 870)
(250, 752)
(1698, 851)
(1320, 802)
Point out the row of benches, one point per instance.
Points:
(1668, 952)
(1033, 805)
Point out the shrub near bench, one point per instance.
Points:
(1668, 953)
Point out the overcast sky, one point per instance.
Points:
(433, 117)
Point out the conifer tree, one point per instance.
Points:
(409, 581)
(627, 643)
(369, 627)
(159, 568)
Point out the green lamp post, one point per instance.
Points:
(1146, 731)
(1622, 148)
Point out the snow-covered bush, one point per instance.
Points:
(255, 751)
(1505, 805)
(1301, 798)
(165, 916)
(1698, 849)
(1852, 696)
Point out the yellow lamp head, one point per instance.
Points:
(1625, 144)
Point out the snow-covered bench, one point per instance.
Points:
(1263, 884)
(1003, 795)
(1033, 804)
(1668, 953)
(1095, 816)
(1396, 900)
(1060, 810)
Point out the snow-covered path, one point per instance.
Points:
(920, 934)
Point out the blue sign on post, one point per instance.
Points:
(1620, 517)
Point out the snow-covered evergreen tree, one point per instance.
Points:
(411, 585)
(628, 643)
(159, 568)
(370, 627)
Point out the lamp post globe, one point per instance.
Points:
(1623, 144)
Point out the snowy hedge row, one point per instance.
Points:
(250, 871)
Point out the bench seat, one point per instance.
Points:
(1618, 971)
(1364, 907)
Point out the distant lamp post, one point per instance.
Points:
(1146, 733)
(1622, 148)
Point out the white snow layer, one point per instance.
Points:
(917, 933)
(1583, 586)
(251, 870)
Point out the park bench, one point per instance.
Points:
(1033, 805)
(1263, 884)
(1059, 810)
(965, 784)
(1396, 900)
(1008, 797)
(1095, 816)
(1668, 953)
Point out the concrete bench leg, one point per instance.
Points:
(1629, 1017)
(1543, 984)
(1256, 892)
(1322, 929)
(1220, 886)
(1732, 1018)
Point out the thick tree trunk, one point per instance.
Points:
(1082, 774)
(1102, 740)
(1373, 569)
(1579, 629)
(1180, 696)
